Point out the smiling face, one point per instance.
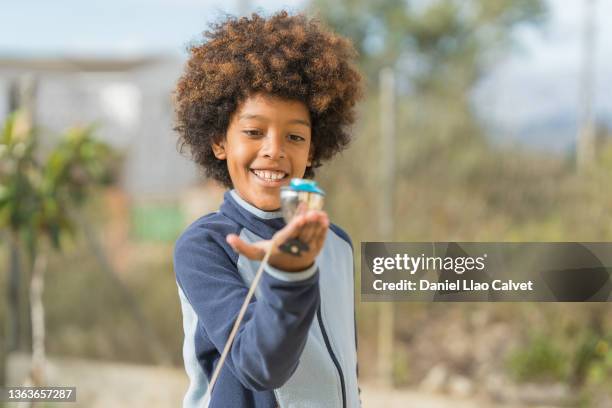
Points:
(266, 145)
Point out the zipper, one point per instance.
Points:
(332, 355)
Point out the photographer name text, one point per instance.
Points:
(457, 285)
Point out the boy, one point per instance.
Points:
(260, 102)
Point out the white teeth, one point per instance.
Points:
(269, 175)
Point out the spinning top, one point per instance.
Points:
(299, 192)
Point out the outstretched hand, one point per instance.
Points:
(310, 227)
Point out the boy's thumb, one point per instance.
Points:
(250, 251)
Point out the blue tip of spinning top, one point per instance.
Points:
(298, 184)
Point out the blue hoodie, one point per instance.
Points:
(296, 346)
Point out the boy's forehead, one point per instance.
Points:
(269, 107)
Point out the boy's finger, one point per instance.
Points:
(248, 250)
(301, 209)
(321, 233)
(291, 230)
(308, 232)
(320, 221)
(320, 218)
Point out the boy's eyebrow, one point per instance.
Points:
(300, 122)
(252, 116)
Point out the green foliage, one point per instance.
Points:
(571, 344)
(19, 173)
(401, 367)
(449, 178)
(452, 183)
(593, 361)
(540, 360)
(605, 155)
(37, 195)
(584, 362)
(429, 42)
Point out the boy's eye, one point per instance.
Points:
(252, 132)
(296, 138)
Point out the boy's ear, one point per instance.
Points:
(219, 150)
(310, 157)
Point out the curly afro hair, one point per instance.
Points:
(287, 56)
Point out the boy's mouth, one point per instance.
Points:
(270, 176)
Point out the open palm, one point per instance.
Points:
(310, 227)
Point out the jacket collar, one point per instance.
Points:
(262, 223)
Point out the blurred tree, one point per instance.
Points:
(439, 49)
(429, 42)
(452, 184)
(38, 199)
(17, 167)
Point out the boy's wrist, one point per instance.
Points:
(291, 276)
(293, 267)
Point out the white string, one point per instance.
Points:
(230, 339)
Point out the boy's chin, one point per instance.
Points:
(269, 205)
(266, 203)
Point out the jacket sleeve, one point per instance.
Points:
(274, 330)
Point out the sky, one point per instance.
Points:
(531, 95)
(534, 93)
(112, 26)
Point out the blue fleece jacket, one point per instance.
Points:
(296, 346)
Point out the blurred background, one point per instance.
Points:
(484, 120)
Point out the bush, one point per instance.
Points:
(540, 360)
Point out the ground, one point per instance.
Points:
(103, 384)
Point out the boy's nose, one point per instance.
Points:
(273, 147)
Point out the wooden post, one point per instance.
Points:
(37, 312)
(22, 96)
(13, 327)
(387, 129)
(585, 154)
(13, 311)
